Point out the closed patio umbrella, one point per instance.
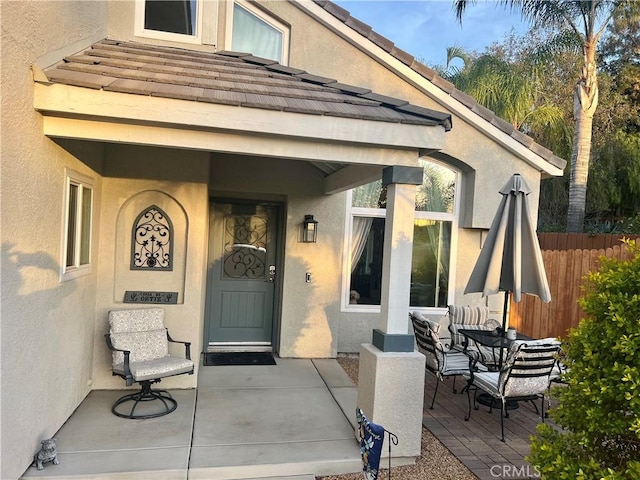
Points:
(510, 260)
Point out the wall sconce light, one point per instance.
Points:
(309, 229)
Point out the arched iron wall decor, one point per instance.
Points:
(152, 240)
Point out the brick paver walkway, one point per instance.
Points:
(477, 443)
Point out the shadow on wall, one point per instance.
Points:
(32, 331)
(25, 275)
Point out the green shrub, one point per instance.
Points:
(599, 407)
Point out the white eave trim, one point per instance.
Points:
(59, 100)
(437, 94)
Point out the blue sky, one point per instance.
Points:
(425, 28)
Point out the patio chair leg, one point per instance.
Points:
(502, 415)
(542, 405)
(454, 384)
(433, 400)
(468, 415)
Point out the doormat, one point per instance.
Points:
(238, 358)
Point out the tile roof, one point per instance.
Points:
(230, 78)
(388, 46)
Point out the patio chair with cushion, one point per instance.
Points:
(139, 343)
(472, 317)
(440, 361)
(525, 376)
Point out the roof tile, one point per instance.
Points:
(308, 77)
(231, 79)
(383, 42)
(426, 72)
(542, 151)
(526, 140)
(223, 97)
(403, 56)
(349, 88)
(443, 84)
(360, 27)
(80, 79)
(336, 11)
(503, 125)
(391, 101)
(463, 98)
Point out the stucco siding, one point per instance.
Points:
(180, 190)
(47, 325)
(308, 314)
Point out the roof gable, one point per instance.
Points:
(443, 85)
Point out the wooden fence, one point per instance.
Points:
(565, 272)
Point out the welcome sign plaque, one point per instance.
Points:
(137, 296)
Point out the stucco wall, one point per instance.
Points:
(47, 325)
(180, 189)
(309, 311)
(484, 164)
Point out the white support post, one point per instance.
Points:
(391, 375)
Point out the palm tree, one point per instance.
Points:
(511, 90)
(587, 19)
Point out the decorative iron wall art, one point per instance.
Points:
(245, 246)
(152, 241)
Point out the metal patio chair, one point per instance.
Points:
(139, 343)
(525, 376)
(471, 317)
(440, 361)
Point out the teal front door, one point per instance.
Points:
(241, 275)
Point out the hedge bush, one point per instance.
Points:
(599, 406)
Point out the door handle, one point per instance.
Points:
(272, 273)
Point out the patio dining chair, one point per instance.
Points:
(525, 376)
(472, 317)
(139, 343)
(440, 361)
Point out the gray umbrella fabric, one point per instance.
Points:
(510, 259)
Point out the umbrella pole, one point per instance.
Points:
(504, 324)
(504, 311)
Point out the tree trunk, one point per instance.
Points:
(585, 102)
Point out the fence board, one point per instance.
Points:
(566, 270)
(579, 241)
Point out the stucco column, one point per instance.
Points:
(396, 263)
(391, 373)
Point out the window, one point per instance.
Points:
(177, 20)
(252, 31)
(77, 225)
(433, 229)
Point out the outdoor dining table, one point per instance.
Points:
(494, 339)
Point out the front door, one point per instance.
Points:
(241, 276)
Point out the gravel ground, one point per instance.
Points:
(435, 460)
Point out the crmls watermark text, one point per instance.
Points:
(514, 471)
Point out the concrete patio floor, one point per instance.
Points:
(242, 422)
(292, 421)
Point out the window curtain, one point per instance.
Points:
(439, 240)
(359, 235)
(253, 35)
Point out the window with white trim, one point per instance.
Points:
(76, 256)
(251, 30)
(175, 20)
(434, 227)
